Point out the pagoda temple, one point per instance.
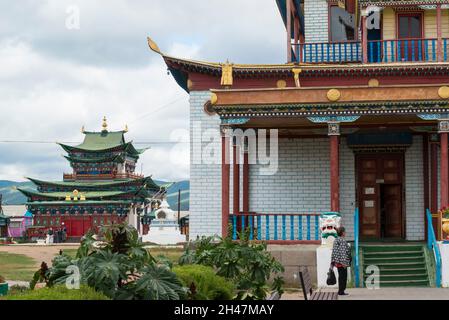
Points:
(102, 189)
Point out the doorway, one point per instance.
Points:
(380, 195)
(410, 30)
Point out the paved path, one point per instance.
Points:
(405, 293)
(38, 253)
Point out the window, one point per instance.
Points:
(342, 27)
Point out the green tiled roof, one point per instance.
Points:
(62, 195)
(117, 158)
(87, 202)
(80, 185)
(103, 141)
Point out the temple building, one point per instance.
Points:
(102, 189)
(358, 118)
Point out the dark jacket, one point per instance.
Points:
(341, 252)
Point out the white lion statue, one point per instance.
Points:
(329, 223)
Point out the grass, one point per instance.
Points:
(16, 266)
(70, 252)
(172, 254)
(58, 293)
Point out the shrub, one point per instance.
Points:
(59, 293)
(2, 279)
(204, 284)
(121, 268)
(249, 265)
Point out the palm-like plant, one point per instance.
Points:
(121, 267)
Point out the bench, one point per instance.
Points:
(306, 285)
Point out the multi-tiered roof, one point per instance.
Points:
(103, 180)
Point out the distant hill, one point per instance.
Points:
(13, 197)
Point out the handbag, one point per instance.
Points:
(331, 279)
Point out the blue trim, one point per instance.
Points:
(433, 244)
(356, 248)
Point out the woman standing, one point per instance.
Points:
(341, 259)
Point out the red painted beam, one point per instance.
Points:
(236, 179)
(364, 41)
(335, 168)
(444, 170)
(434, 184)
(225, 170)
(426, 177)
(245, 182)
(439, 35)
(288, 12)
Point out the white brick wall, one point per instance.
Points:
(205, 179)
(316, 21)
(414, 191)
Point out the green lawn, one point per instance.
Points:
(70, 252)
(16, 266)
(172, 254)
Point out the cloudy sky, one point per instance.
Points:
(55, 77)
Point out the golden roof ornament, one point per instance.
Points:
(105, 124)
(226, 74)
(82, 129)
(126, 128)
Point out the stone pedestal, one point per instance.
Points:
(323, 261)
(444, 250)
(164, 232)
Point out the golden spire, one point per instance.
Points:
(126, 128)
(105, 124)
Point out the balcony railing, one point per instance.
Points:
(273, 227)
(378, 51)
(71, 176)
(325, 52)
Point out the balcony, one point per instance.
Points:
(73, 177)
(380, 51)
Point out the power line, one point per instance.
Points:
(78, 142)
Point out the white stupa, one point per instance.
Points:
(164, 229)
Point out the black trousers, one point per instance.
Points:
(342, 279)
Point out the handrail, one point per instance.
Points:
(356, 247)
(280, 227)
(432, 243)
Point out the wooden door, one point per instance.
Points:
(379, 195)
(77, 228)
(410, 30)
(391, 203)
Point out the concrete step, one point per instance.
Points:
(382, 254)
(389, 271)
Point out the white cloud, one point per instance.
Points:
(54, 80)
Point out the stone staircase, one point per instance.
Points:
(400, 265)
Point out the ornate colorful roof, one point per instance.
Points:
(74, 159)
(104, 141)
(180, 69)
(88, 185)
(87, 194)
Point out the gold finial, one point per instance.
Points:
(126, 128)
(105, 124)
(226, 74)
(82, 129)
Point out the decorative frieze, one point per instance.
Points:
(333, 128)
(443, 126)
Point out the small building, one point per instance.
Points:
(20, 220)
(102, 189)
